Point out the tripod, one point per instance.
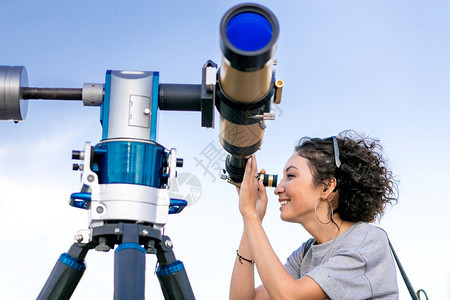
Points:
(134, 241)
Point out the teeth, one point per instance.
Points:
(284, 202)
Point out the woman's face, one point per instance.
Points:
(297, 191)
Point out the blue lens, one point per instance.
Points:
(249, 31)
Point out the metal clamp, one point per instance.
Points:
(92, 94)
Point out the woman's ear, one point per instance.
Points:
(328, 187)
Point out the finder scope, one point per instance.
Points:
(246, 82)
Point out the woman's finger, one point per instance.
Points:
(247, 170)
(262, 191)
(250, 168)
(254, 166)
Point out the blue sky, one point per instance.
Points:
(379, 67)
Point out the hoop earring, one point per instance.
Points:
(315, 210)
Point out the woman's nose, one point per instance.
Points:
(279, 189)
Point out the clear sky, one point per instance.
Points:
(379, 67)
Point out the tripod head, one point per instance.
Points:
(126, 176)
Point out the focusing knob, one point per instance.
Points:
(77, 167)
(179, 162)
(77, 154)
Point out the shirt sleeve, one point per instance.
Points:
(294, 261)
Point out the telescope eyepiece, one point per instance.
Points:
(269, 180)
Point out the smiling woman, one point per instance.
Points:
(333, 187)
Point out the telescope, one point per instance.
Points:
(126, 177)
(246, 83)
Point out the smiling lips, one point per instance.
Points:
(283, 203)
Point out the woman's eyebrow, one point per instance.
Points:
(294, 167)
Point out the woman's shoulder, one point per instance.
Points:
(374, 233)
(365, 236)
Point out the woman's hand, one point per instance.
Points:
(252, 194)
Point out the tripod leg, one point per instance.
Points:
(171, 273)
(65, 275)
(129, 265)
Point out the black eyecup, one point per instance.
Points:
(248, 61)
(235, 166)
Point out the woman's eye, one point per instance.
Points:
(290, 175)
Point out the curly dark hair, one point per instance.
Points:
(364, 182)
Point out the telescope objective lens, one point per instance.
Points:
(249, 31)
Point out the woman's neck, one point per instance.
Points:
(323, 233)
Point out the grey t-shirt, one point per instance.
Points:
(358, 264)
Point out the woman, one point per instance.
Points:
(333, 187)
